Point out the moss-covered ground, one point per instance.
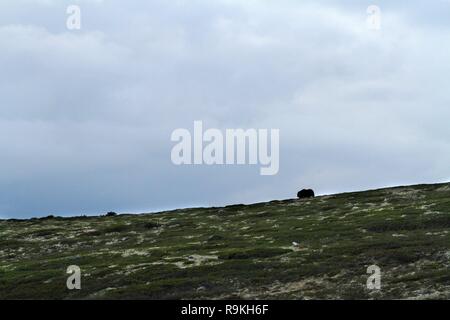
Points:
(292, 249)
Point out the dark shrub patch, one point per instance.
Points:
(111, 214)
(47, 217)
(151, 225)
(117, 228)
(215, 237)
(408, 225)
(254, 253)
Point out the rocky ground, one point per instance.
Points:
(291, 249)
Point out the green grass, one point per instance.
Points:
(241, 251)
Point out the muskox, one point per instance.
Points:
(305, 193)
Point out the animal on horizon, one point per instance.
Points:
(305, 193)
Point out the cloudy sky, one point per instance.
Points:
(86, 115)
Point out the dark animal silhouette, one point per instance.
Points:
(305, 193)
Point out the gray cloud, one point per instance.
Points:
(86, 116)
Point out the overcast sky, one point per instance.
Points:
(86, 115)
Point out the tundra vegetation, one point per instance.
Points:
(316, 248)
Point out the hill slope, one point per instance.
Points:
(241, 251)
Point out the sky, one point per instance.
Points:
(86, 115)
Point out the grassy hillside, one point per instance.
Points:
(242, 251)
